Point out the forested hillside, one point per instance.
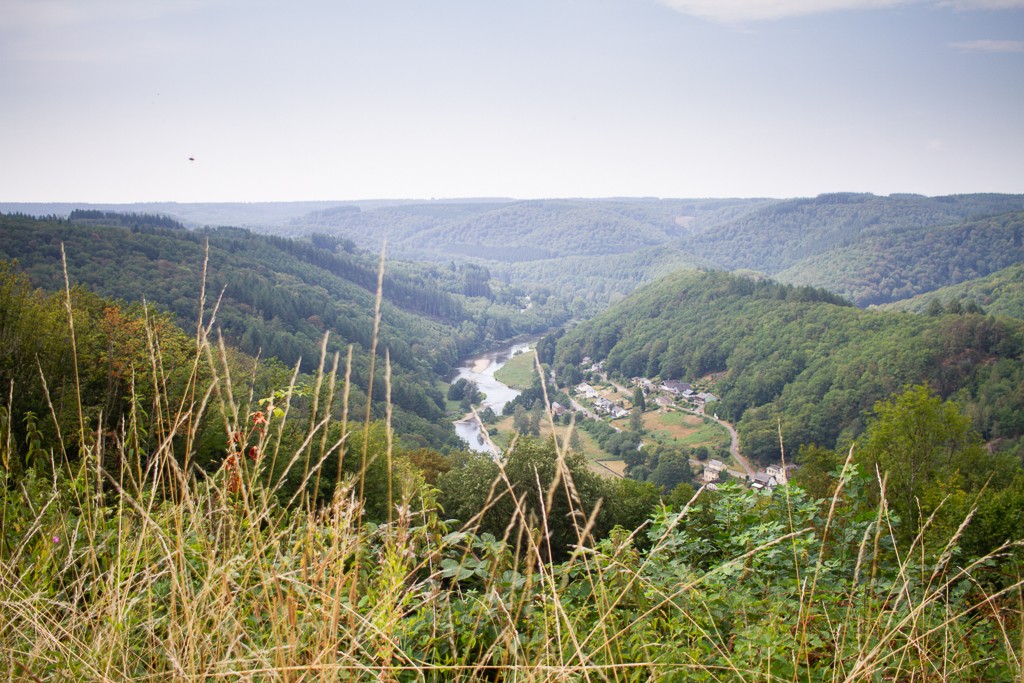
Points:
(507, 231)
(888, 266)
(773, 238)
(277, 297)
(803, 357)
(589, 252)
(1000, 293)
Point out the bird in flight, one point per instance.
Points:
(191, 158)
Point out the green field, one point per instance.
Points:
(685, 429)
(519, 371)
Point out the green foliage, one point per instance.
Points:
(277, 298)
(793, 355)
(771, 238)
(936, 466)
(539, 488)
(728, 586)
(999, 293)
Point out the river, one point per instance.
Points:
(481, 369)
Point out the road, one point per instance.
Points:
(734, 439)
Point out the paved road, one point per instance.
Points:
(734, 446)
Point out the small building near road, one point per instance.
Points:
(674, 387)
(713, 470)
(763, 481)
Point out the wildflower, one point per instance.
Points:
(254, 453)
(56, 539)
(234, 482)
(234, 478)
(258, 418)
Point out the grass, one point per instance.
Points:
(685, 429)
(160, 574)
(519, 371)
(609, 466)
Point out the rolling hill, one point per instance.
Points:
(801, 357)
(999, 293)
(278, 297)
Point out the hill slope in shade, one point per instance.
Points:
(884, 267)
(278, 297)
(772, 238)
(999, 293)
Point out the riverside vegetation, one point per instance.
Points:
(173, 509)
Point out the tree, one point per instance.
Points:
(636, 421)
(632, 503)
(531, 467)
(464, 490)
(638, 399)
(536, 415)
(673, 469)
(923, 444)
(521, 420)
(817, 469)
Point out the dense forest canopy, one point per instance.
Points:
(589, 252)
(999, 293)
(276, 297)
(802, 357)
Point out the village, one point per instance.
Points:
(669, 395)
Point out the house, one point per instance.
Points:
(763, 481)
(558, 409)
(587, 390)
(603, 405)
(713, 470)
(702, 398)
(663, 401)
(777, 471)
(645, 384)
(674, 387)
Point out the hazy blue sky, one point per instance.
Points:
(106, 100)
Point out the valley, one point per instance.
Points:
(714, 370)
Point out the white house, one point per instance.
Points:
(674, 387)
(777, 471)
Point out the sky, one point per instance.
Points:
(111, 101)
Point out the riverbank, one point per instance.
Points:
(480, 370)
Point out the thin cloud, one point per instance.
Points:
(989, 46)
(983, 4)
(47, 14)
(733, 11)
(739, 11)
